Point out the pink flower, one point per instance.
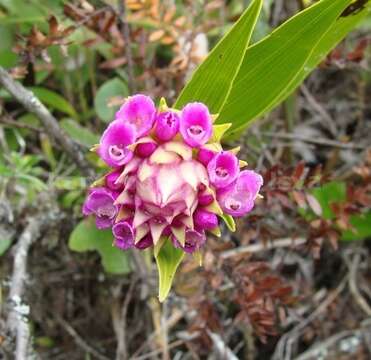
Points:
(238, 199)
(167, 125)
(113, 144)
(139, 111)
(100, 202)
(195, 124)
(161, 186)
(223, 169)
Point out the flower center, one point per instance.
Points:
(234, 204)
(221, 172)
(118, 152)
(106, 211)
(170, 119)
(195, 130)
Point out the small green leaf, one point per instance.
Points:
(53, 100)
(333, 192)
(80, 134)
(229, 221)
(4, 245)
(212, 81)
(218, 132)
(168, 260)
(86, 237)
(110, 89)
(362, 228)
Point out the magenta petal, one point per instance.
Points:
(100, 202)
(113, 144)
(124, 235)
(238, 199)
(194, 240)
(111, 180)
(204, 156)
(205, 199)
(195, 124)
(139, 111)
(145, 150)
(205, 220)
(167, 125)
(223, 169)
(145, 243)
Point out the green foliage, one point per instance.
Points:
(110, 89)
(335, 192)
(54, 100)
(4, 245)
(168, 259)
(80, 134)
(229, 221)
(86, 237)
(212, 81)
(270, 69)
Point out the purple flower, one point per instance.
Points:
(204, 156)
(145, 243)
(238, 198)
(205, 220)
(124, 235)
(111, 180)
(194, 240)
(113, 144)
(195, 124)
(223, 169)
(100, 202)
(145, 149)
(167, 125)
(139, 111)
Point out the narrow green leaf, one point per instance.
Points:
(80, 134)
(229, 221)
(86, 237)
(110, 89)
(361, 226)
(213, 79)
(272, 64)
(53, 100)
(168, 260)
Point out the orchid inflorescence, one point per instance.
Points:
(170, 177)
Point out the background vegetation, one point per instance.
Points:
(292, 282)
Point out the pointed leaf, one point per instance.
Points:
(168, 260)
(229, 221)
(213, 79)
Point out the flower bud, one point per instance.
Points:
(167, 125)
(205, 220)
(204, 156)
(124, 235)
(111, 180)
(145, 150)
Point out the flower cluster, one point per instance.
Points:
(170, 176)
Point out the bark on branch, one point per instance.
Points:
(50, 123)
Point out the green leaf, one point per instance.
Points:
(110, 89)
(213, 79)
(362, 226)
(53, 100)
(86, 237)
(333, 192)
(4, 245)
(271, 65)
(80, 134)
(168, 260)
(229, 221)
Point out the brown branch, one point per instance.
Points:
(50, 123)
